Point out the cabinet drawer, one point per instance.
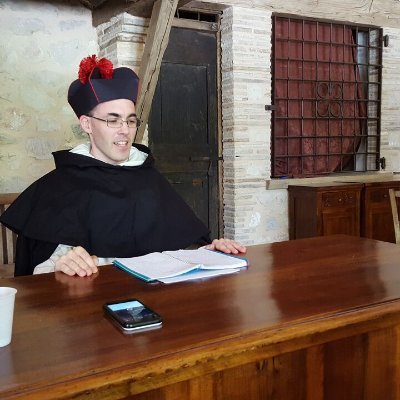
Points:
(379, 196)
(335, 199)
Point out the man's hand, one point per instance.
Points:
(226, 246)
(77, 262)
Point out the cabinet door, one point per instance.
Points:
(340, 213)
(378, 223)
(381, 225)
(342, 221)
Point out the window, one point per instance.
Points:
(326, 96)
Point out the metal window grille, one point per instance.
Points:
(326, 97)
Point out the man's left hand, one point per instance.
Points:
(226, 246)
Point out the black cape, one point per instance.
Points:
(111, 211)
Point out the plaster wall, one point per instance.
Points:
(41, 45)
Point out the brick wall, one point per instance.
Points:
(251, 214)
(122, 40)
(390, 125)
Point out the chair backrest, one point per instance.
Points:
(393, 194)
(8, 238)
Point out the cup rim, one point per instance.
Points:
(9, 291)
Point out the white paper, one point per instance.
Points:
(174, 266)
(208, 259)
(157, 265)
(199, 274)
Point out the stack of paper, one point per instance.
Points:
(181, 265)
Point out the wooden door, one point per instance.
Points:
(183, 125)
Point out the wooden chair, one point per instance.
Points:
(393, 203)
(8, 239)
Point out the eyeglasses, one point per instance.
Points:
(132, 122)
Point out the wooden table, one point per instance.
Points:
(313, 319)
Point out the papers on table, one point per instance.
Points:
(181, 265)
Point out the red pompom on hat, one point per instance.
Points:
(99, 82)
(88, 64)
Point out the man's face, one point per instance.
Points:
(111, 145)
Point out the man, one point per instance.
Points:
(105, 199)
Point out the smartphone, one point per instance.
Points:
(132, 315)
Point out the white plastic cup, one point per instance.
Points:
(7, 300)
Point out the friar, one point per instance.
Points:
(105, 198)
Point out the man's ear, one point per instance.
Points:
(85, 124)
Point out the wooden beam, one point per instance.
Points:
(156, 43)
(104, 10)
(111, 8)
(182, 3)
(202, 6)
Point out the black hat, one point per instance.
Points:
(99, 82)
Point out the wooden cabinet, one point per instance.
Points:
(377, 221)
(324, 209)
(360, 209)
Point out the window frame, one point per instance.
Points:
(370, 157)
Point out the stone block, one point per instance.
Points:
(41, 148)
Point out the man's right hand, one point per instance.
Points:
(77, 262)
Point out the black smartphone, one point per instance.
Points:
(132, 315)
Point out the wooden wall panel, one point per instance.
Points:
(251, 376)
(344, 368)
(381, 376)
(315, 373)
(352, 368)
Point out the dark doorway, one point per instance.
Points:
(183, 125)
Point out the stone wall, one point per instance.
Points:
(252, 213)
(41, 45)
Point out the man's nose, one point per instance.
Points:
(124, 128)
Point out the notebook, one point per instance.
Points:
(181, 265)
